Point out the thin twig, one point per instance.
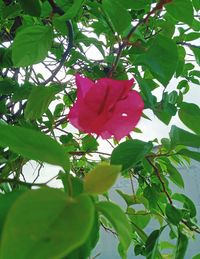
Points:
(161, 180)
(58, 10)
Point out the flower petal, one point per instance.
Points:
(84, 85)
(116, 90)
(125, 116)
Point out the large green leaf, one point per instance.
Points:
(182, 137)
(161, 58)
(31, 45)
(6, 201)
(31, 7)
(129, 153)
(189, 114)
(45, 223)
(38, 101)
(119, 221)
(85, 250)
(181, 10)
(33, 145)
(101, 178)
(114, 10)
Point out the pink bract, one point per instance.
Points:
(106, 107)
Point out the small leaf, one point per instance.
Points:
(130, 152)
(181, 246)
(89, 143)
(33, 145)
(101, 178)
(31, 45)
(38, 102)
(187, 203)
(189, 114)
(196, 52)
(140, 218)
(174, 175)
(72, 11)
(192, 154)
(181, 10)
(182, 137)
(152, 244)
(173, 214)
(49, 220)
(31, 7)
(119, 221)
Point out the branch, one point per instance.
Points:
(188, 45)
(125, 42)
(58, 10)
(160, 179)
(15, 181)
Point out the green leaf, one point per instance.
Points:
(140, 218)
(114, 10)
(6, 58)
(101, 178)
(181, 10)
(89, 143)
(48, 220)
(192, 36)
(173, 214)
(31, 45)
(10, 11)
(38, 102)
(192, 154)
(174, 175)
(71, 11)
(161, 53)
(196, 256)
(196, 4)
(182, 137)
(133, 199)
(147, 96)
(72, 185)
(181, 246)
(130, 152)
(8, 86)
(31, 7)
(189, 114)
(33, 145)
(6, 201)
(136, 4)
(187, 202)
(118, 220)
(152, 244)
(85, 250)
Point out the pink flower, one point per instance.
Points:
(106, 107)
